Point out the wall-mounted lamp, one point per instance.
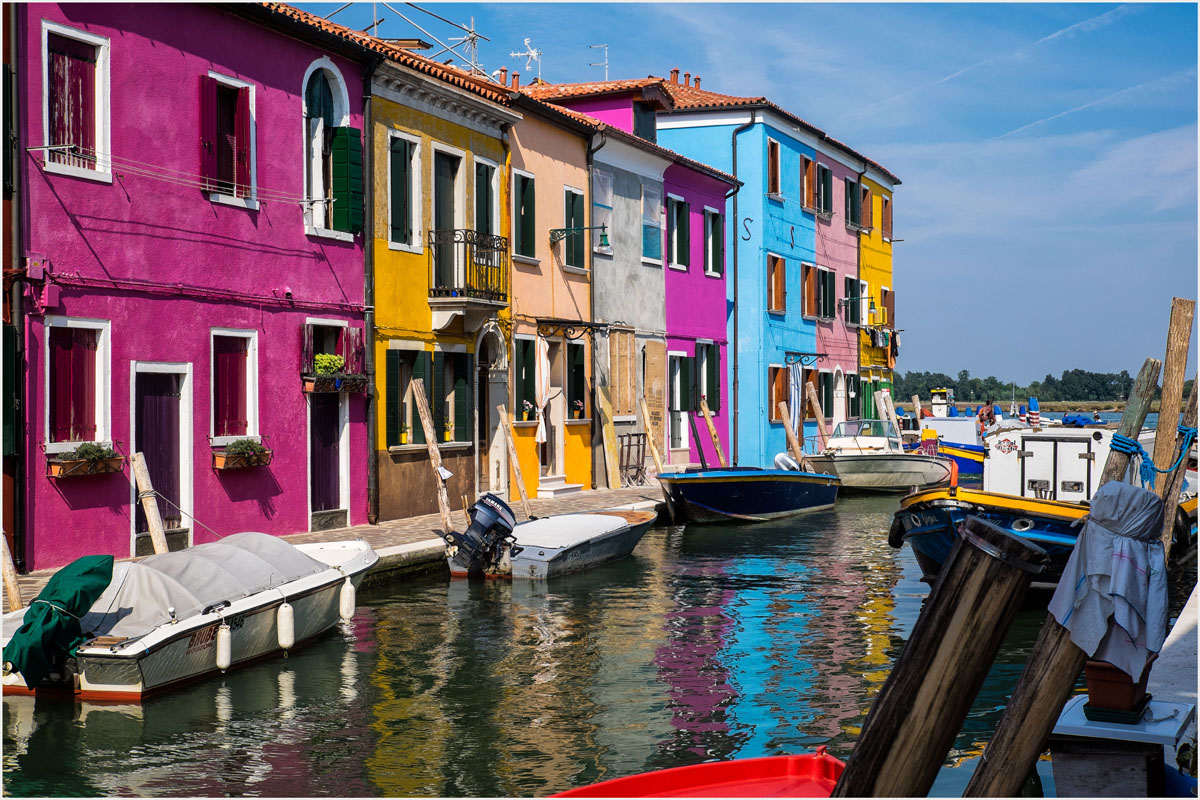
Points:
(558, 234)
(845, 301)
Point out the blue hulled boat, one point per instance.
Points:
(745, 494)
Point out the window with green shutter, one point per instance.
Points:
(523, 226)
(853, 203)
(712, 377)
(828, 293)
(420, 371)
(347, 180)
(678, 238)
(459, 378)
(573, 245)
(524, 378)
(852, 305)
(825, 383)
(401, 171)
(714, 248)
(576, 380)
(825, 189)
(853, 396)
(485, 198)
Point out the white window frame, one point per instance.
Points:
(778, 169)
(567, 224)
(820, 283)
(343, 438)
(186, 443)
(103, 171)
(824, 213)
(702, 369)
(712, 216)
(252, 431)
(673, 374)
(828, 412)
(103, 409)
(669, 244)
(521, 258)
(882, 310)
(341, 100)
(662, 223)
(596, 246)
(494, 188)
(864, 303)
(414, 209)
(251, 202)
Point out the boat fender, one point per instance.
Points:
(346, 600)
(896, 533)
(224, 647)
(285, 624)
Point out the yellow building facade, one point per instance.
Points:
(439, 173)
(876, 353)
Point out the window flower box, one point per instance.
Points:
(334, 382)
(222, 459)
(88, 459)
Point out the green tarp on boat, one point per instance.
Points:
(51, 630)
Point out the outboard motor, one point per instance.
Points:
(489, 538)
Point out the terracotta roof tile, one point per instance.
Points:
(451, 75)
(557, 91)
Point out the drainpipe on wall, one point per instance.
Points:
(18, 313)
(857, 334)
(592, 301)
(736, 240)
(369, 295)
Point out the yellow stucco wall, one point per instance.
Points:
(876, 270)
(402, 278)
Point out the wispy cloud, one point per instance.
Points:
(1086, 26)
(1167, 81)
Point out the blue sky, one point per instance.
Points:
(1048, 152)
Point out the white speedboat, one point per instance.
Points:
(174, 618)
(868, 454)
(494, 545)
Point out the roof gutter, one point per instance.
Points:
(733, 146)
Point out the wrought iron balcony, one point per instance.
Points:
(468, 264)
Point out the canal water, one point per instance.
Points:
(707, 643)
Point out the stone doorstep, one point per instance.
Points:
(551, 486)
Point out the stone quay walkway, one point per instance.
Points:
(407, 545)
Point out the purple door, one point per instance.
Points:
(156, 408)
(324, 458)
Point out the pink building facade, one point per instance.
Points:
(836, 248)
(192, 226)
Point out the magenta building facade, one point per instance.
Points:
(192, 253)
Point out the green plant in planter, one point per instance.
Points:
(90, 451)
(244, 447)
(328, 363)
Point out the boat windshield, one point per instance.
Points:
(864, 427)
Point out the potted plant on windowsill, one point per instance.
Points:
(577, 409)
(241, 453)
(327, 376)
(448, 432)
(528, 409)
(403, 433)
(88, 458)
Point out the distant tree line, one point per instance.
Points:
(1073, 384)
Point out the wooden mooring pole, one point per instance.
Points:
(435, 455)
(510, 442)
(141, 476)
(712, 432)
(1055, 661)
(1172, 484)
(11, 587)
(651, 437)
(810, 392)
(1179, 339)
(918, 712)
(793, 441)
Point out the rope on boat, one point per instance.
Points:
(1147, 471)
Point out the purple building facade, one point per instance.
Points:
(191, 220)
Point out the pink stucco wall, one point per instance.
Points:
(181, 246)
(613, 109)
(837, 248)
(695, 301)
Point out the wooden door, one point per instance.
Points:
(324, 453)
(157, 407)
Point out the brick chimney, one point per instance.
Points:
(697, 81)
(675, 75)
(516, 83)
(687, 78)
(504, 76)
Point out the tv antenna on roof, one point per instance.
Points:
(603, 63)
(530, 55)
(469, 43)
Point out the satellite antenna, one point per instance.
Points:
(470, 43)
(530, 55)
(603, 63)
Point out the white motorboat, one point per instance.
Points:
(868, 454)
(494, 545)
(174, 618)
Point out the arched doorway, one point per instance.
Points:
(839, 396)
(491, 390)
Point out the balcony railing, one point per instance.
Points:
(468, 264)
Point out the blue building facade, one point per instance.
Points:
(773, 237)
